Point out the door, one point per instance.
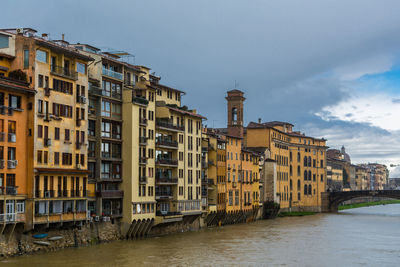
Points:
(10, 211)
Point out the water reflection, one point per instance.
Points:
(358, 237)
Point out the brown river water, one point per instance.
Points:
(358, 237)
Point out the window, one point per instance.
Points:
(39, 156)
(92, 128)
(14, 101)
(106, 129)
(41, 56)
(230, 198)
(20, 206)
(10, 179)
(4, 41)
(56, 133)
(305, 189)
(56, 158)
(92, 149)
(66, 135)
(81, 68)
(105, 108)
(26, 58)
(11, 153)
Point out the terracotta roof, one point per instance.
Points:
(187, 112)
(166, 87)
(9, 83)
(235, 91)
(74, 52)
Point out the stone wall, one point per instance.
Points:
(17, 242)
(175, 227)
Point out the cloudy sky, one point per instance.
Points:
(330, 67)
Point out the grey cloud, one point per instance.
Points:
(396, 100)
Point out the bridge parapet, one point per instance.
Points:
(331, 200)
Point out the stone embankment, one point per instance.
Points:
(19, 243)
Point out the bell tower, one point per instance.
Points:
(235, 100)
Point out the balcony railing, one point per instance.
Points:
(143, 140)
(166, 142)
(64, 72)
(12, 217)
(169, 125)
(143, 179)
(110, 194)
(164, 194)
(6, 110)
(143, 121)
(12, 137)
(165, 161)
(95, 90)
(140, 100)
(166, 180)
(113, 74)
(142, 160)
(12, 164)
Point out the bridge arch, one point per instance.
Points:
(332, 200)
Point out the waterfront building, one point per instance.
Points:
(15, 120)
(334, 175)
(105, 131)
(58, 190)
(209, 171)
(362, 178)
(180, 163)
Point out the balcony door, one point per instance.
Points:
(10, 211)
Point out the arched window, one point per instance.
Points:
(291, 184)
(309, 175)
(309, 161)
(298, 195)
(298, 184)
(234, 114)
(305, 189)
(305, 161)
(309, 189)
(305, 176)
(298, 156)
(298, 170)
(291, 170)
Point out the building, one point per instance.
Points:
(59, 190)
(15, 121)
(362, 178)
(334, 175)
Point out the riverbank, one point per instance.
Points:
(368, 204)
(296, 213)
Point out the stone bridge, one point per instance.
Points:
(331, 200)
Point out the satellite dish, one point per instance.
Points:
(138, 208)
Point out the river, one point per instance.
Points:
(359, 237)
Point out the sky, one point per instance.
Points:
(331, 68)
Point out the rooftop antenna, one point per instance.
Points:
(236, 84)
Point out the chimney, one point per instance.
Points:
(259, 120)
(62, 37)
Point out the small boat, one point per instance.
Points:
(55, 238)
(43, 243)
(40, 236)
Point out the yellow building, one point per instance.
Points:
(334, 174)
(181, 164)
(209, 172)
(59, 191)
(233, 174)
(362, 178)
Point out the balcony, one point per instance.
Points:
(142, 160)
(47, 142)
(6, 110)
(12, 217)
(110, 194)
(140, 100)
(143, 121)
(167, 162)
(112, 74)
(204, 164)
(95, 90)
(11, 190)
(12, 164)
(165, 180)
(164, 194)
(47, 91)
(12, 137)
(129, 82)
(166, 143)
(166, 125)
(143, 180)
(143, 140)
(64, 72)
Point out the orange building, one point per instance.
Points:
(15, 99)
